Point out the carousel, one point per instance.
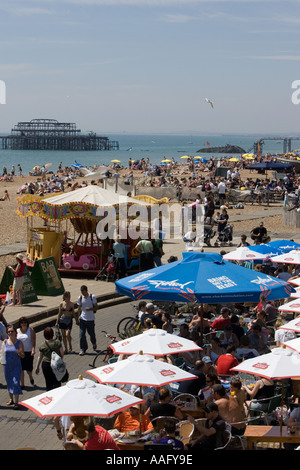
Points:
(77, 228)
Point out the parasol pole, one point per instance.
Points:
(140, 406)
(201, 322)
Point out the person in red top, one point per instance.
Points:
(226, 361)
(98, 439)
(18, 272)
(223, 320)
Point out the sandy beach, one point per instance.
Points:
(13, 228)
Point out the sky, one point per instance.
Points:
(146, 66)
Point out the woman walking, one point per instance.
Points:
(65, 320)
(18, 272)
(28, 337)
(14, 351)
(44, 358)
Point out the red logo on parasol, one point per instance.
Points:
(46, 400)
(165, 372)
(108, 370)
(112, 398)
(174, 345)
(261, 365)
(295, 305)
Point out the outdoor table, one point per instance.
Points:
(195, 411)
(256, 434)
(130, 444)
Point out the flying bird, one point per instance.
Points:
(210, 102)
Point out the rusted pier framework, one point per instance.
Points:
(49, 134)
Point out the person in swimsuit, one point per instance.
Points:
(64, 320)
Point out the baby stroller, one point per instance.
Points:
(209, 233)
(225, 236)
(108, 271)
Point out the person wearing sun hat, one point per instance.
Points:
(18, 272)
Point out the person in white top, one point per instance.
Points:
(87, 306)
(28, 337)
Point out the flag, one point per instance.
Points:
(207, 143)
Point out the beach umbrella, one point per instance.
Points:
(293, 306)
(293, 344)
(292, 257)
(279, 364)
(205, 278)
(81, 397)
(166, 161)
(155, 342)
(115, 161)
(185, 157)
(140, 369)
(243, 253)
(293, 325)
(48, 165)
(269, 165)
(295, 281)
(234, 159)
(266, 249)
(284, 245)
(296, 294)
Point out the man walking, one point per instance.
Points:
(87, 306)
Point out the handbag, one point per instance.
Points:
(57, 364)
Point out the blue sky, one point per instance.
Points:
(141, 66)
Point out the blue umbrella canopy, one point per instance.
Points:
(270, 166)
(284, 245)
(266, 249)
(205, 278)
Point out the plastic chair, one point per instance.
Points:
(112, 360)
(186, 398)
(227, 438)
(265, 406)
(186, 430)
(159, 422)
(180, 362)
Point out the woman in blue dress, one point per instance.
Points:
(14, 351)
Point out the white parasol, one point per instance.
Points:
(293, 325)
(292, 306)
(295, 281)
(81, 397)
(243, 253)
(140, 369)
(296, 294)
(155, 342)
(292, 257)
(293, 344)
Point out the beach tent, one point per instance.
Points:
(205, 278)
(269, 165)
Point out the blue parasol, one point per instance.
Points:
(205, 278)
(284, 245)
(266, 249)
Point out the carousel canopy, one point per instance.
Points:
(82, 202)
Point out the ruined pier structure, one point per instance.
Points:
(49, 134)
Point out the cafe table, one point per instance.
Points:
(255, 434)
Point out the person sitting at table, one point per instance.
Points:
(167, 325)
(189, 357)
(223, 320)
(128, 421)
(216, 349)
(292, 422)
(237, 329)
(263, 389)
(98, 439)
(228, 338)
(164, 407)
(237, 407)
(227, 361)
(258, 340)
(167, 436)
(206, 395)
(244, 351)
(212, 433)
(282, 335)
(193, 386)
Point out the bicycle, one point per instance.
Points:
(107, 353)
(128, 326)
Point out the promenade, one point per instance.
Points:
(22, 428)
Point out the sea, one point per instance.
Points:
(156, 147)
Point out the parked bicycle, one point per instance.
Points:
(106, 354)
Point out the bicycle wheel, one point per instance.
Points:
(121, 327)
(99, 358)
(128, 326)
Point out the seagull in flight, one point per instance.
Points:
(210, 102)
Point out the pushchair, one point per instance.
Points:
(209, 233)
(225, 236)
(108, 272)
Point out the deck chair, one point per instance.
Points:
(186, 430)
